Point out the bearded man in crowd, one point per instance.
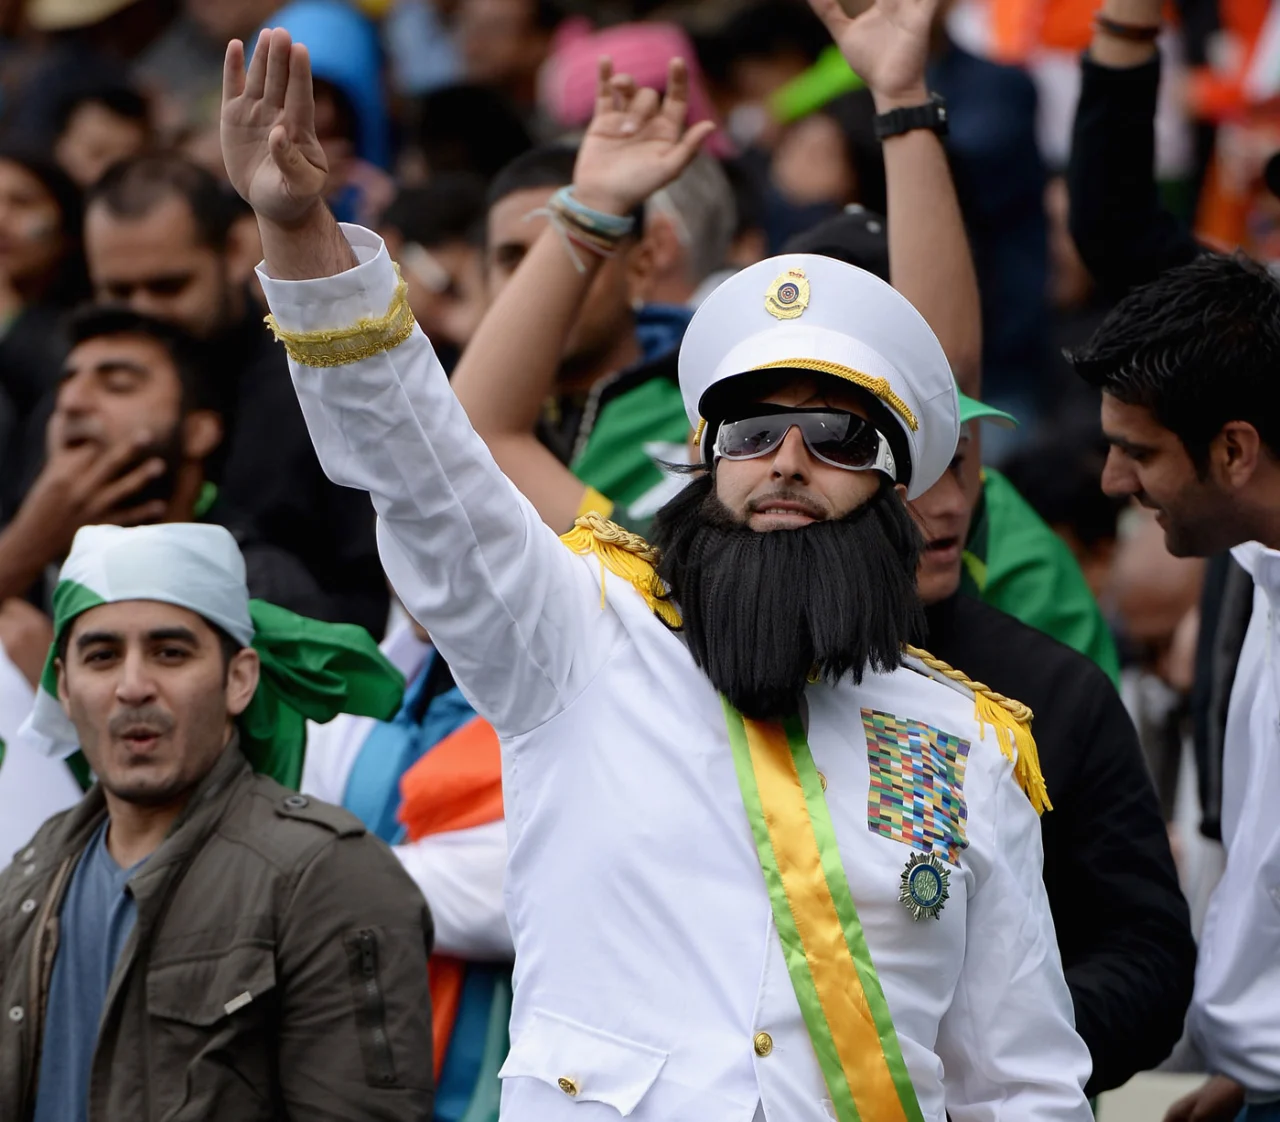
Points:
(737, 799)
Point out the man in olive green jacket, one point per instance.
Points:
(193, 942)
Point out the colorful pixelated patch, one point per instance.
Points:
(917, 784)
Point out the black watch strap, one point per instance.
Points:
(931, 115)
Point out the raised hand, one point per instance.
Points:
(269, 139)
(887, 46)
(637, 142)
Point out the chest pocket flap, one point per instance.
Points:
(582, 1062)
(202, 991)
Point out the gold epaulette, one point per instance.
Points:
(1010, 719)
(625, 555)
(363, 339)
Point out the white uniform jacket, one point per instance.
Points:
(1235, 1013)
(647, 962)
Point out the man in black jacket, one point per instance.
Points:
(1122, 923)
(1126, 239)
(160, 237)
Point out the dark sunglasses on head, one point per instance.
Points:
(841, 439)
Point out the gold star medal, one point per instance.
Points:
(924, 886)
(788, 296)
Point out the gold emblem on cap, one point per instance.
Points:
(788, 296)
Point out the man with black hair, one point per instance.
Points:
(190, 937)
(468, 128)
(160, 237)
(598, 388)
(436, 235)
(98, 127)
(134, 438)
(1191, 410)
(736, 806)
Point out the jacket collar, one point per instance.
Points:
(192, 827)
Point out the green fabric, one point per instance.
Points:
(614, 460)
(204, 501)
(69, 600)
(802, 980)
(311, 670)
(1015, 562)
(823, 82)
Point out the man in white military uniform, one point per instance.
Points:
(761, 864)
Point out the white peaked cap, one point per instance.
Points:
(804, 312)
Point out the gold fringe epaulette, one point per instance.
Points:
(625, 555)
(362, 340)
(1011, 721)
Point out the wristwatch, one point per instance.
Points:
(931, 115)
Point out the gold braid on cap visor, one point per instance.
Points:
(878, 386)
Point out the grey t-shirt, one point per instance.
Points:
(98, 914)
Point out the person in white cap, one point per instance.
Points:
(191, 939)
(765, 860)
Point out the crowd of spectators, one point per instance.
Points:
(138, 383)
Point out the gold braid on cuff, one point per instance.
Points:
(362, 340)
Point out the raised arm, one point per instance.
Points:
(1124, 236)
(636, 145)
(516, 614)
(929, 258)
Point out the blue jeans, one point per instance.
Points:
(1260, 1112)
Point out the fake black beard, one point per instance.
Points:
(764, 611)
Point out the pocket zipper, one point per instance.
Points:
(375, 1009)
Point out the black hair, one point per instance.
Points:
(547, 14)
(468, 128)
(1198, 348)
(71, 281)
(550, 165)
(1062, 480)
(119, 99)
(134, 187)
(201, 387)
(448, 208)
(765, 29)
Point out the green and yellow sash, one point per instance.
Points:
(826, 953)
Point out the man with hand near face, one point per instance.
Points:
(161, 238)
(135, 437)
(191, 940)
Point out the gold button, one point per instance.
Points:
(823, 780)
(567, 1085)
(763, 1043)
